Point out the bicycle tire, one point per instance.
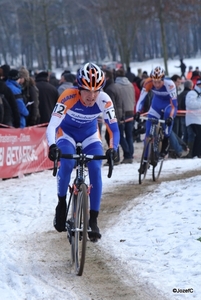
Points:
(73, 213)
(156, 171)
(81, 227)
(147, 145)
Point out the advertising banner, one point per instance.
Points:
(23, 151)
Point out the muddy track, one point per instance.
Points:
(103, 276)
(47, 256)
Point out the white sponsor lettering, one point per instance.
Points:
(1, 156)
(20, 154)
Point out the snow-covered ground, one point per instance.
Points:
(159, 239)
(172, 65)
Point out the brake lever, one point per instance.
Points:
(111, 165)
(55, 167)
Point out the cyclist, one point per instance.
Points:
(163, 105)
(74, 119)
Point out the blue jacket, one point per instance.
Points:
(17, 91)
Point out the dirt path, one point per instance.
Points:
(105, 283)
(47, 257)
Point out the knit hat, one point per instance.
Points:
(24, 73)
(13, 74)
(66, 72)
(69, 77)
(42, 74)
(6, 69)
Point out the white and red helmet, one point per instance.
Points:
(90, 77)
(157, 73)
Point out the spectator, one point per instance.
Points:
(7, 118)
(11, 112)
(111, 89)
(53, 80)
(6, 69)
(127, 96)
(13, 83)
(195, 76)
(31, 96)
(130, 75)
(176, 127)
(193, 116)
(189, 73)
(187, 134)
(136, 136)
(48, 96)
(66, 81)
(182, 67)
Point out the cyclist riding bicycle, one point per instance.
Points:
(74, 119)
(163, 105)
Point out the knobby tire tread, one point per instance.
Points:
(156, 171)
(147, 145)
(81, 221)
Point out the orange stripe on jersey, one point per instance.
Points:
(148, 84)
(59, 133)
(108, 104)
(69, 97)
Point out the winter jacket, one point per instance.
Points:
(127, 95)
(64, 86)
(13, 118)
(193, 106)
(112, 90)
(17, 92)
(48, 96)
(31, 99)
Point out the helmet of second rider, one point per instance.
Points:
(158, 73)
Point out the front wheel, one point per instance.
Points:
(72, 233)
(157, 167)
(145, 161)
(81, 227)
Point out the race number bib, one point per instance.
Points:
(111, 115)
(59, 109)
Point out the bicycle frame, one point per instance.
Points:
(77, 225)
(151, 150)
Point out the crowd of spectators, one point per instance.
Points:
(185, 137)
(28, 100)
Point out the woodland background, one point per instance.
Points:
(48, 34)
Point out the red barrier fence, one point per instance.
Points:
(23, 151)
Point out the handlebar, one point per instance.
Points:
(86, 158)
(153, 120)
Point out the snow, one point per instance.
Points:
(172, 65)
(156, 236)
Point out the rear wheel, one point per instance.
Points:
(81, 226)
(145, 161)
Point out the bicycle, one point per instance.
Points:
(151, 150)
(77, 226)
